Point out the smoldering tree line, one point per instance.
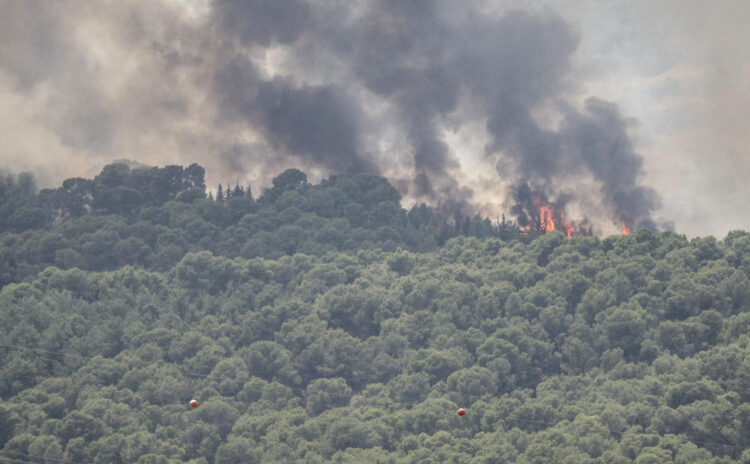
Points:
(428, 66)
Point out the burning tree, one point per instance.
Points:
(536, 213)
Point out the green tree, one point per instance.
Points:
(323, 394)
(238, 449)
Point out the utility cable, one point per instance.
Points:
(42, 458)
(206, 376)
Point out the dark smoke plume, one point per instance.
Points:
(423, 59)
(598, 136)
(331, 86)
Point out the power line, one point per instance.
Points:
(4, 459)
(144, 363)
(620, 434)
(206, 376)
(187, 373)
(138, 363)
(42, 458)
(37, 350)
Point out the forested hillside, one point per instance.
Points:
(151, 217)
(325, 323)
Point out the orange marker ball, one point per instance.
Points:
(461, 411)
(193, 404)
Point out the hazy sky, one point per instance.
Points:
(681, 70)
(631, 110)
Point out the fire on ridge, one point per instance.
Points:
(548, 217)
(535, 212)
(625, 228)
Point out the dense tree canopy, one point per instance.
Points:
(324, 323)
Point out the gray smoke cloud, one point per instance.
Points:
(249, 87)
(598, 136)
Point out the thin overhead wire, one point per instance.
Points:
(138, 363)
(195, 374)
(620, 434)
(4, 459)
(41, 458)
(206, 376)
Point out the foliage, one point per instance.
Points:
(323, 323)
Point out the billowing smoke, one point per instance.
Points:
(252, 86)
(598, 136)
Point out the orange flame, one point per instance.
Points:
(547, 214)
(625, 228)
(568, 227)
